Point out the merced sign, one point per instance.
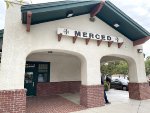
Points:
(88, 35)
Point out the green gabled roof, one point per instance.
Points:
(56, 10)
(110, 14)
(128, 27)
(1, 33)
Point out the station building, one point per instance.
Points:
(58, 47)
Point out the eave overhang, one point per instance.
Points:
(105, 11)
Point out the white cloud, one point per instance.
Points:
(146, 48)
(138, 10)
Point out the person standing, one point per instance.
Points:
(105, 95)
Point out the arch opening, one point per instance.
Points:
(119, 70)
(54, 72)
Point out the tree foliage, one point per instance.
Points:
(121, 67)
(116, 67)
(10, 3)
(148, 58)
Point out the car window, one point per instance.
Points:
(116, 80)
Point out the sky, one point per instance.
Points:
(138, 10)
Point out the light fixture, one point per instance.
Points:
(50, 51)
(116, 25)
(140, 50)
(69, 13)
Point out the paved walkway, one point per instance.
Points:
(51, 104)
(120, 103)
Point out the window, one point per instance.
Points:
(40, 71)
(43, 72)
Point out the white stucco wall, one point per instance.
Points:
(18, 43)
(62, 67)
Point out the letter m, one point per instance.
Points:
(77, 33)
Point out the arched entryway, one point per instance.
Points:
(116, 70)
(135, 79)
(53, 76)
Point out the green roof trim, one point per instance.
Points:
(56, 10)
(110, 14)
(128, 27)
(126, 17)
(1, 33)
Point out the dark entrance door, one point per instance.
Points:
(35, 72)
(30, 78)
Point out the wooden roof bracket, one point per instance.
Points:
(59, 37)
(99, 42)
(141, 41)
(120, 44)
(87, 40)
(97, 9)
(110, 43)
(29, 16)
(74, 39)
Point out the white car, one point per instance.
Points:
(119, 83)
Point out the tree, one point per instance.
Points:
(122, 68)
(107, 68)
(8, 2)
(148, 58)
(115, 67)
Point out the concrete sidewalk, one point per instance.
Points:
(120, 103)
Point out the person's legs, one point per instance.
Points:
(105, 97)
